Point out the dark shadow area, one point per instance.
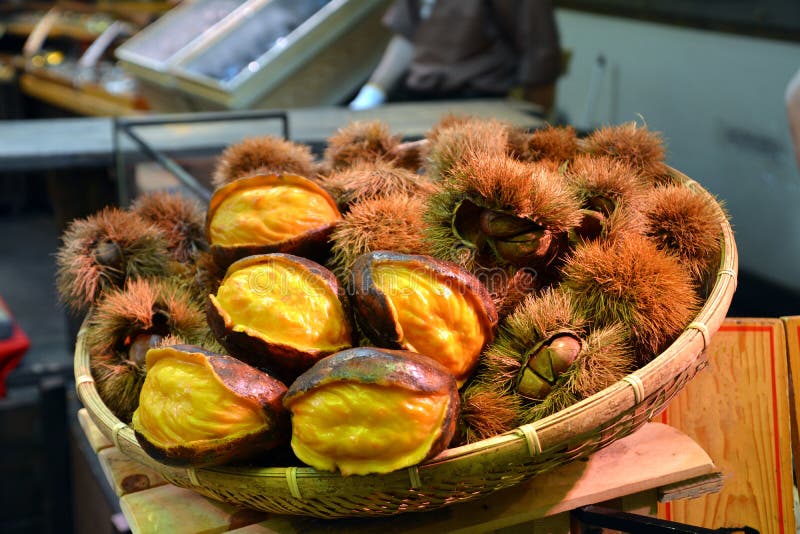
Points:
(757, 297)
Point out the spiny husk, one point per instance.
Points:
(391, 222)
(632, 282)
(365, 180)
(557, 143)
(411, 155)
(533, 189)
(447, 121)
(264, 155)
(535, 319)
(181, 219)
(486, 410)
(687, 224)
(641, 148)
(438, 211)
(453, 143)
(360, 141)
(141, 250)
(511, 288)
(602, 176)
(171, 339)
(605, 359)
(611, 189)
(208, 275)
(492, 388)
(528, 191)
(144, 306)
(623, 221)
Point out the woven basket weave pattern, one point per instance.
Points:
(463, 473)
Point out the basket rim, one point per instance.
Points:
(547, 434)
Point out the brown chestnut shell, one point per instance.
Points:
(377, 316)
(310, 242)
(282, 360)
(245, 382)
(395, 369)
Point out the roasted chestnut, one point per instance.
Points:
(198, 408)
(425, 305)
(281, 313)
(369, 410)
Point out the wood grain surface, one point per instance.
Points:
(737, 409)
(125, 475)
(629, 470)
(792, 326)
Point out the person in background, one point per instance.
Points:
(451, 49)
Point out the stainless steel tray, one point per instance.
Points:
(236, 54)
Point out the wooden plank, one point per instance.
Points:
(690, 489)
(738, 411)
(655, 456)
(96, 439)
(168, 508)
(125, 475)
(792, 326)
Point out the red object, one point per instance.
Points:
(12, 348)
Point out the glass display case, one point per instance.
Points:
(238, 54)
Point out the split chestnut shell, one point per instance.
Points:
(281, 313)
(267, 213)
(368, 410)
(198, 408)
(425, 305)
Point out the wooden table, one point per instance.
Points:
(656, 464)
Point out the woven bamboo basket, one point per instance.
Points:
(462, 473)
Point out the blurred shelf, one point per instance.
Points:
(87, 141)
(90, 101)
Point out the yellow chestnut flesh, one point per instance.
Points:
(183, 401)
(434, 317)
(269, 215)
(365, 428)
(283, 304)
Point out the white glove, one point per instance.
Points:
(370, 96)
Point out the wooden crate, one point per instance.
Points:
(792, 326)
(737, 409)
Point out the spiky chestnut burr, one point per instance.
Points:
(611, 196)
(495, 210)
(365, 180)
(632, 282)
(641, 148)
(544, 359)
(681, 221)
(181, 219)
(265, 155)
(360, 141)
(459, 139)
(129, 321)
(391, 222)
(556, 143)
(102, 251)
(207, 276)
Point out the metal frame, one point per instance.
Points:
(607, 518)
(126, 126)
